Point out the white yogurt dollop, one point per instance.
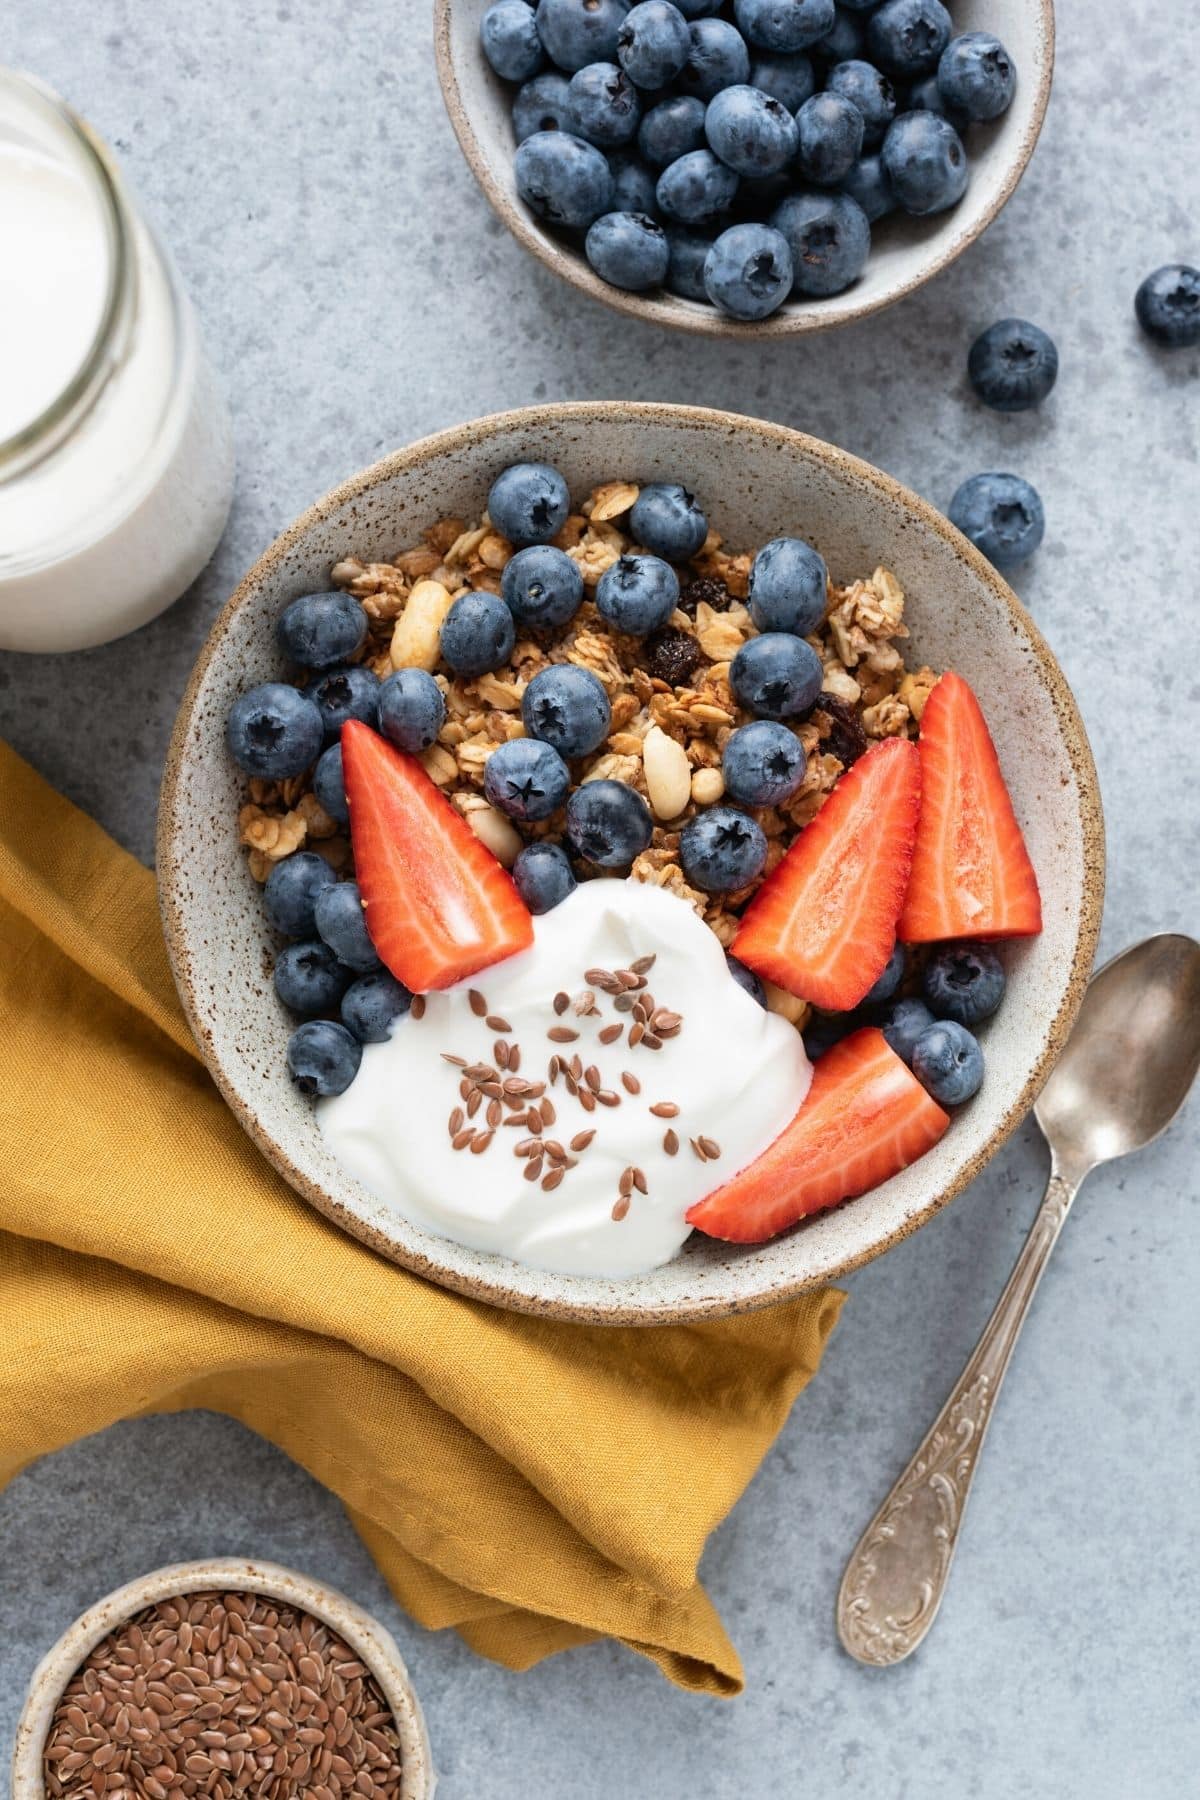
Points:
(737, 1074)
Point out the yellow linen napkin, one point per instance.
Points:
(533, 1484)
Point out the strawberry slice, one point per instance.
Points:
(971, 873)
(824, 923)
(439, 906)
(865, 1117)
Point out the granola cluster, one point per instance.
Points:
(666, 739)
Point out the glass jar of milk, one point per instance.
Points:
(116, 460)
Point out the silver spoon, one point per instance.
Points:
(1120, 1081)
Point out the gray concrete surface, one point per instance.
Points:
(357, 292)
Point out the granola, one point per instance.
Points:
(665, 739)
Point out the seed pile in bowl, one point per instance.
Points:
(223, 1694)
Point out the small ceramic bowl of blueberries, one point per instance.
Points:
(724, 166)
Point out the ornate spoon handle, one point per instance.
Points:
(895, 1579)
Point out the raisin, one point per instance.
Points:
(846, 738)
(707, 589)
(673, 656)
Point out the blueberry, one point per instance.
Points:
(670, 129)
(348, 693)
(788, 79)
(544, 876)
(563, 179)
(964, 982)
(274, 731)
(411, 710)
(777, 676)
(529, 502)
(844, 40)
(871, 91)
(567, 707)
(784, 24)
(477, 634)
(628, 250)
(748, 271)
(526, 779)
(543, 104)
(722, 850)
(509, 35)
(926, 96)
(751, 132)
(342, 922)
(925, 163)
(578, 32)
(1168, 306)
(830, 134)
(903, 1022)
(763, 763)
(698, 9)
(605, 108)
(666, 519)
(824, 1030)
(653, 43)
(637, 594)
(323, 1057)
(869, 187)
(1012, 365)
(291, 893)
(787, 587)
(633, 185)
(1002, 515)
(309, 979)
(319, 630)
(889, 981)
(908, 36)
(685, 272)
(329, 784)
(829, 238)
(608, 823)
(746, 978)
(718, 58)
(696, 188)
(976, 76)
(371, 1004)
(542, 587)
(948, 1062)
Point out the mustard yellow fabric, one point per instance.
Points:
(535, 1485)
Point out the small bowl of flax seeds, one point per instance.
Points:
(223, 1678)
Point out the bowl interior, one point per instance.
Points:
(905, 252)
(756, 480)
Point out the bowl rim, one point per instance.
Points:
(373, 1644)
(571, 266)
(171, 861)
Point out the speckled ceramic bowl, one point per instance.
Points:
(905, 253)
(365, 1636)
(755, 480)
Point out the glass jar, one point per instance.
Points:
(116, 457)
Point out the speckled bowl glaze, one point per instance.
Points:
(756, 480)
(365, 1635)
(905, 253)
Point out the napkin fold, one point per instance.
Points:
(533, 1484)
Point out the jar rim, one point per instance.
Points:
(59, 417)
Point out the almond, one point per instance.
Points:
(668, 773)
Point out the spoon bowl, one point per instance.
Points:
(1131, 1058)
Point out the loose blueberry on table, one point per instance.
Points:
(638, 127)
(523, 707)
